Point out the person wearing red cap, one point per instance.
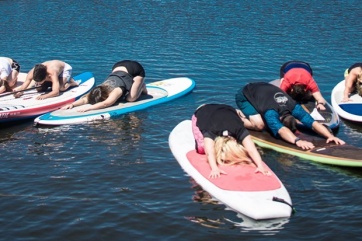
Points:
(296, 79)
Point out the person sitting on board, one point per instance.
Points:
(353, 81)
(53, 73)
(263, 101)
(126, 80)
(220, 134)
(9, 71)
(296, 78)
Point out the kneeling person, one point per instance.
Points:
(126, 80)
(220, 134)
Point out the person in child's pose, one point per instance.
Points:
(296, 79)
(126, 80)
(53, 73)
(219, 133)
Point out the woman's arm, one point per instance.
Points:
(211, 158)
(348, 85)
(254, 154)
(112, 98)
(82, 101)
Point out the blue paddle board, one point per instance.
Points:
(158, 92)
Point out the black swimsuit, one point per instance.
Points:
(119, 79)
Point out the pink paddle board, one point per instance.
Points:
(252, 194)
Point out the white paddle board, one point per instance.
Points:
(158, 92)
(27, 106)
(252, 194)
(351, 110)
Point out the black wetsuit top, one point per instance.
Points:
(123, 79)
(119, 79)
(215, 120)
(264, 96)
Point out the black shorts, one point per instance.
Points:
(15, 66)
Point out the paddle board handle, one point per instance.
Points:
(281, 200)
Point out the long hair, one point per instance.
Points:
(229, 152)
(98, 94)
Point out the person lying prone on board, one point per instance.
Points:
(9, 71)
(296, 79)
(126, 80)
(353, 81)
(220, 134)
(53, 73)
(262, 101)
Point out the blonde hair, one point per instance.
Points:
(229, 152)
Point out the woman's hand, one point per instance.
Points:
(66, 107)
(216, 173)
(263, 171)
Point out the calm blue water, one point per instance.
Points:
(118, 180)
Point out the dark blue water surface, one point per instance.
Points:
(118, 180)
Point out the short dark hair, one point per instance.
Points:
(98, 94)
(300, 93)
(39, 72)
(289, 121)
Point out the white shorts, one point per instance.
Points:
(5, 68)
(67, 73)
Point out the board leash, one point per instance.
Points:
(281, 200)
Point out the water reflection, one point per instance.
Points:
(115, 141)
(269, 227)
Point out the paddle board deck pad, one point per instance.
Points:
(328, 117)
(326, 153)
(242, 189)
(27, 106)
(351, 110)
(158, 92)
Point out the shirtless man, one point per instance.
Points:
(53, 73)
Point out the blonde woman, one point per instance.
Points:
(353, 81)
(220, 134)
